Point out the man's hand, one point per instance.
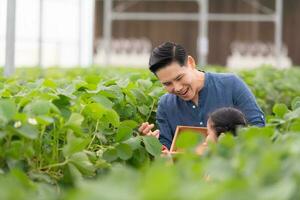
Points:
(145, 129)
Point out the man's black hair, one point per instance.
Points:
(165, 54)
(227, 119)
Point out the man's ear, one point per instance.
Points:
(191, 62)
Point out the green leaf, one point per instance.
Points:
(156, 92)
(45, 120)
(124, 151)
(75, 119)
(110, 155)
(123, 83)
(125, 130)
(129, 123)
(67, 91)
(123, 133)
(139, 95)
(280, 110)
(144, 110)
(152, 145)
(94, 79)
(130, 98)
(38, 107)
(7, 110)
(2, 134)
(188, 139)
(295, 126)
(103, 100)
(28, 131)
(94, 111)
(112, 91)
(81, 161)
(49, 83)
(145, 84)
(134, 142)
(113, 117)
(14, 149)
(295, 103)
(74, 145)
(293, 115)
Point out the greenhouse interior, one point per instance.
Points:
(149, 99)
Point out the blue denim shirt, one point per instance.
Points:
(220, 90)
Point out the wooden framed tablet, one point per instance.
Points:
(183, 129)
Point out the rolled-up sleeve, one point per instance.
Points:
(244, 100)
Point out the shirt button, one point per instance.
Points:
(201, 123)
(194, 106)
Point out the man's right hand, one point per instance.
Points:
(145, 129)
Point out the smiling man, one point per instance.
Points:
(193, 94)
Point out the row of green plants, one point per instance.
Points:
(73, 134)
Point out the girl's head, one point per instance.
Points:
(224, 120)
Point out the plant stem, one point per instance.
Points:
(55, 165)
(151, 110)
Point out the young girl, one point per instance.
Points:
(223, 120)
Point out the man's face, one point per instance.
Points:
(179, 80)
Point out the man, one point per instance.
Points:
(193, 94)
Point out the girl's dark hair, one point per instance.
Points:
(165, 54)
(227, 119)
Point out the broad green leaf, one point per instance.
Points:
(130, 98)
(80, 84)
(129, 123)
(67, 91)
(280, 110)
(2, 134)
(45, 120)
(125, 130)
(124, 151)
(140, 158)
(295, 126)
(63, 101)
(112, 91)
(92, 79)
(145, 84)
(28, 131)
(152, 145)
(293, 114)
(94, 111)
(50, 83)
(139, 95)
(75, 119)
(113, 117)
(110, 155)
(123, 83)
(71, 174)
(107, 93)
(15, 148)
(74, 145)
(295, 103)
(123, 133)
(81, 161)
(103, 100)
(134, 142)
(144, 109)
(38, 107)
(156, 92)
(257, 132)
(188, 140)
(7, 110)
